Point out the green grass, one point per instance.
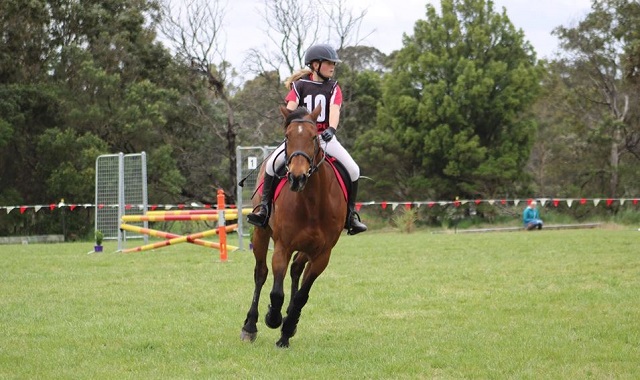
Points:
(538, 305)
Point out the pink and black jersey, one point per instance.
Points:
(309, 93)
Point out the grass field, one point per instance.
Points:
(537, 305)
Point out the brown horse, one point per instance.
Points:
(308, 217)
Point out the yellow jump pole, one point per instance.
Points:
(168, 218)
(245, 211)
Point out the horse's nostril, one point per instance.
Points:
(296, 183)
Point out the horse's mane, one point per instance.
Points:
(295, 76)
(298, 113)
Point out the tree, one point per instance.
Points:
(196, 40)
(453, 119)
(292, 28)
(601, 52)
(91, 80)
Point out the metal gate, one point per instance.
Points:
(248, 162)
(121, 189)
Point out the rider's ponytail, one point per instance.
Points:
(295, 76)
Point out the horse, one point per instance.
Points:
(307, 217)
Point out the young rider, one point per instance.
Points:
(308, 88)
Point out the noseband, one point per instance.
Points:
(312, 166)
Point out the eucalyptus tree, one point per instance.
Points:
(601, 56)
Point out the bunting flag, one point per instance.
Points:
(408, 205)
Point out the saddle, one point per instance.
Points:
(338, 169)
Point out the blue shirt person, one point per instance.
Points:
(531, 217)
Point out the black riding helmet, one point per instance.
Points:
(321, 52)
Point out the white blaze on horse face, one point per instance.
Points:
(300, 129)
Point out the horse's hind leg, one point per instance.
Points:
(290, 323)
(260, 247)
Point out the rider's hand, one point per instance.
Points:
(328, 134)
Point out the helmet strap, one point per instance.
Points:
(324, 79)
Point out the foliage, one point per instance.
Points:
(405, 221)
(453, 113)
(99, 237)
(456, 112)
(602, 101)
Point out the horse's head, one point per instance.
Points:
(302, 145)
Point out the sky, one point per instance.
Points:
(386, 21)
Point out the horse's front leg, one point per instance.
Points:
(260, 246)
(279, 264)
(311, 273)
(297, 266)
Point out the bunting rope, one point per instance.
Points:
(554, 202)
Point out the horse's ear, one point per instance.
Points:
(316, 112)
(284, 111)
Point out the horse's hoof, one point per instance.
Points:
(247, 336)
(273, 321)
(282, 343)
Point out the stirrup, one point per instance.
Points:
(257, 218)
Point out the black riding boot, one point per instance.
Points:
(354, 225)
(260, 217)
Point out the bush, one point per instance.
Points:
(405, 220)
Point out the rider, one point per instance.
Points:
(310, 87)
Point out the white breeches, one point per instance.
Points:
(332, 148)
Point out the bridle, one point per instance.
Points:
(313, 167)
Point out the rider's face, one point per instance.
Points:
(327, 68)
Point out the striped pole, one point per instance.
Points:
(228, 211)
(182, 239)
(222, 233)
(166, 235)
(168, 218)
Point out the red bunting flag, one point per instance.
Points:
(556, 202)
(207, 206)
(504, 201)
(153, 207)
(23, 209)
(181, 206)
(609, 202)
(456, 203)
(72, 207)
(407, 206)
(478, 201)
(52, 206)
(431, 204)
(127, 207)
(583, 201)
(358, 206)
(384, 205)
(101, 206)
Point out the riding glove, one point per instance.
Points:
(328, 133)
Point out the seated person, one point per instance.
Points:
(531, 217)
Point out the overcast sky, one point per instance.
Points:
(385, 22)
